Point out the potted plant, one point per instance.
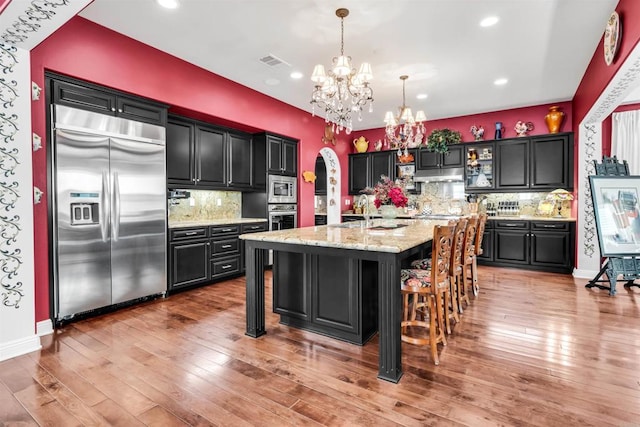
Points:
(440, 139)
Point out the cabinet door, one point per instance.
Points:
(551, 249)
(382, 163)
(141, 111)
(487, 246)
(289, 158)
(428, 159)
(336, 303)
(189, 263)
(512, 164)
(291, 296)
(85, 98)
(479, 170)
(240, 161)
(180, 152)
(359, 172)
(321, 176)
(274, 155)
(210, 156)
(551, 163)
(454, 158)
(512, 246)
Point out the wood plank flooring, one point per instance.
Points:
(534, 349)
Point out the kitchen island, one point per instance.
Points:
(329, 279)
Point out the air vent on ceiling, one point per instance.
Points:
(272, 60)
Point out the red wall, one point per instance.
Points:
(534, 114)
(598, 75)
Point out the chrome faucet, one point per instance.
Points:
(363, 202)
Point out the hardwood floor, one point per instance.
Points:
(534, 349)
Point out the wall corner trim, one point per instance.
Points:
(44, 327)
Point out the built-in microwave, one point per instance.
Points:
(282, 189)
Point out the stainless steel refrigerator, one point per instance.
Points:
(109, 211)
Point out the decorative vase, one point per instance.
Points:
(554, 119)
(498, 134)
(388, 211)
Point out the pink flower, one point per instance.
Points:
(387, 192)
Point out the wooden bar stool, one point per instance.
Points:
(455, 269)
(468, 253)
(482, 222)
(426, 291)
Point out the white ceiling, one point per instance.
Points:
(542, 46)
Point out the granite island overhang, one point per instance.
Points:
(309, 277)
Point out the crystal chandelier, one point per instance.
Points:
(408, 134)
(341, 91)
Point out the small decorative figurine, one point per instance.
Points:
(523, 128)
(378, 145)
(498, 134)
(329, 136)
(477, 132)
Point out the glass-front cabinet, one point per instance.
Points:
(479, 170)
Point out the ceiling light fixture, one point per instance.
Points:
(500, 82)
(169, 4)
(489, 21)
(341, 91)
(296, 75)
(408, 134)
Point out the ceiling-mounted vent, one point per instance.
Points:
(272, 60)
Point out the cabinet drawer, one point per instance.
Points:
(217, 230)
(254, 228)
(549, 226)
(188, 233)
(225, 247)
(224, 267)
(512, 224)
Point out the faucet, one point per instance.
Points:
(363, 202)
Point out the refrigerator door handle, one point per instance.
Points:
(116, 206)
(104, 203)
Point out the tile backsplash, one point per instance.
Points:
(206, 205)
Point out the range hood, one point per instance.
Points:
(439, 175)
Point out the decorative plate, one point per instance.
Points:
(611, 38)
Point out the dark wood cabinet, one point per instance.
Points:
(205, 156)
(551, 162)
(240, 161)
(90, 97)
(365, 169)
(320, 220)
(282, 156)
(210, 154)
(512, 168)
(321, 177)
(345, 306)
(188, 257)
(537, 245)
(453, 158)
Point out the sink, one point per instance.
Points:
(350, 224)
(436, 216)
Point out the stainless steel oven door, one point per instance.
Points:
(282, 189)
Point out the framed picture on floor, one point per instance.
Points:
(617, 212)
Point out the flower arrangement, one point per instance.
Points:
(477, 132)
(440, 139)
(388, 192)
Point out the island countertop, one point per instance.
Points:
(394, 236)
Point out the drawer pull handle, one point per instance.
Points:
(511, 225)
(549, 226)
(226, 230)
(224, 267)
(226, 246)
(256, 227)
(190, 233)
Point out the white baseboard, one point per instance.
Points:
(44, 327)
(19, 347)
(585, 274)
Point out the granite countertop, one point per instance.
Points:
(207, 222)
(404, 234)
(506, 217)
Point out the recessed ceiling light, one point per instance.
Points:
(296, 75)
(422, 96)
(169, 4)
(500, 82)
(489, 21)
